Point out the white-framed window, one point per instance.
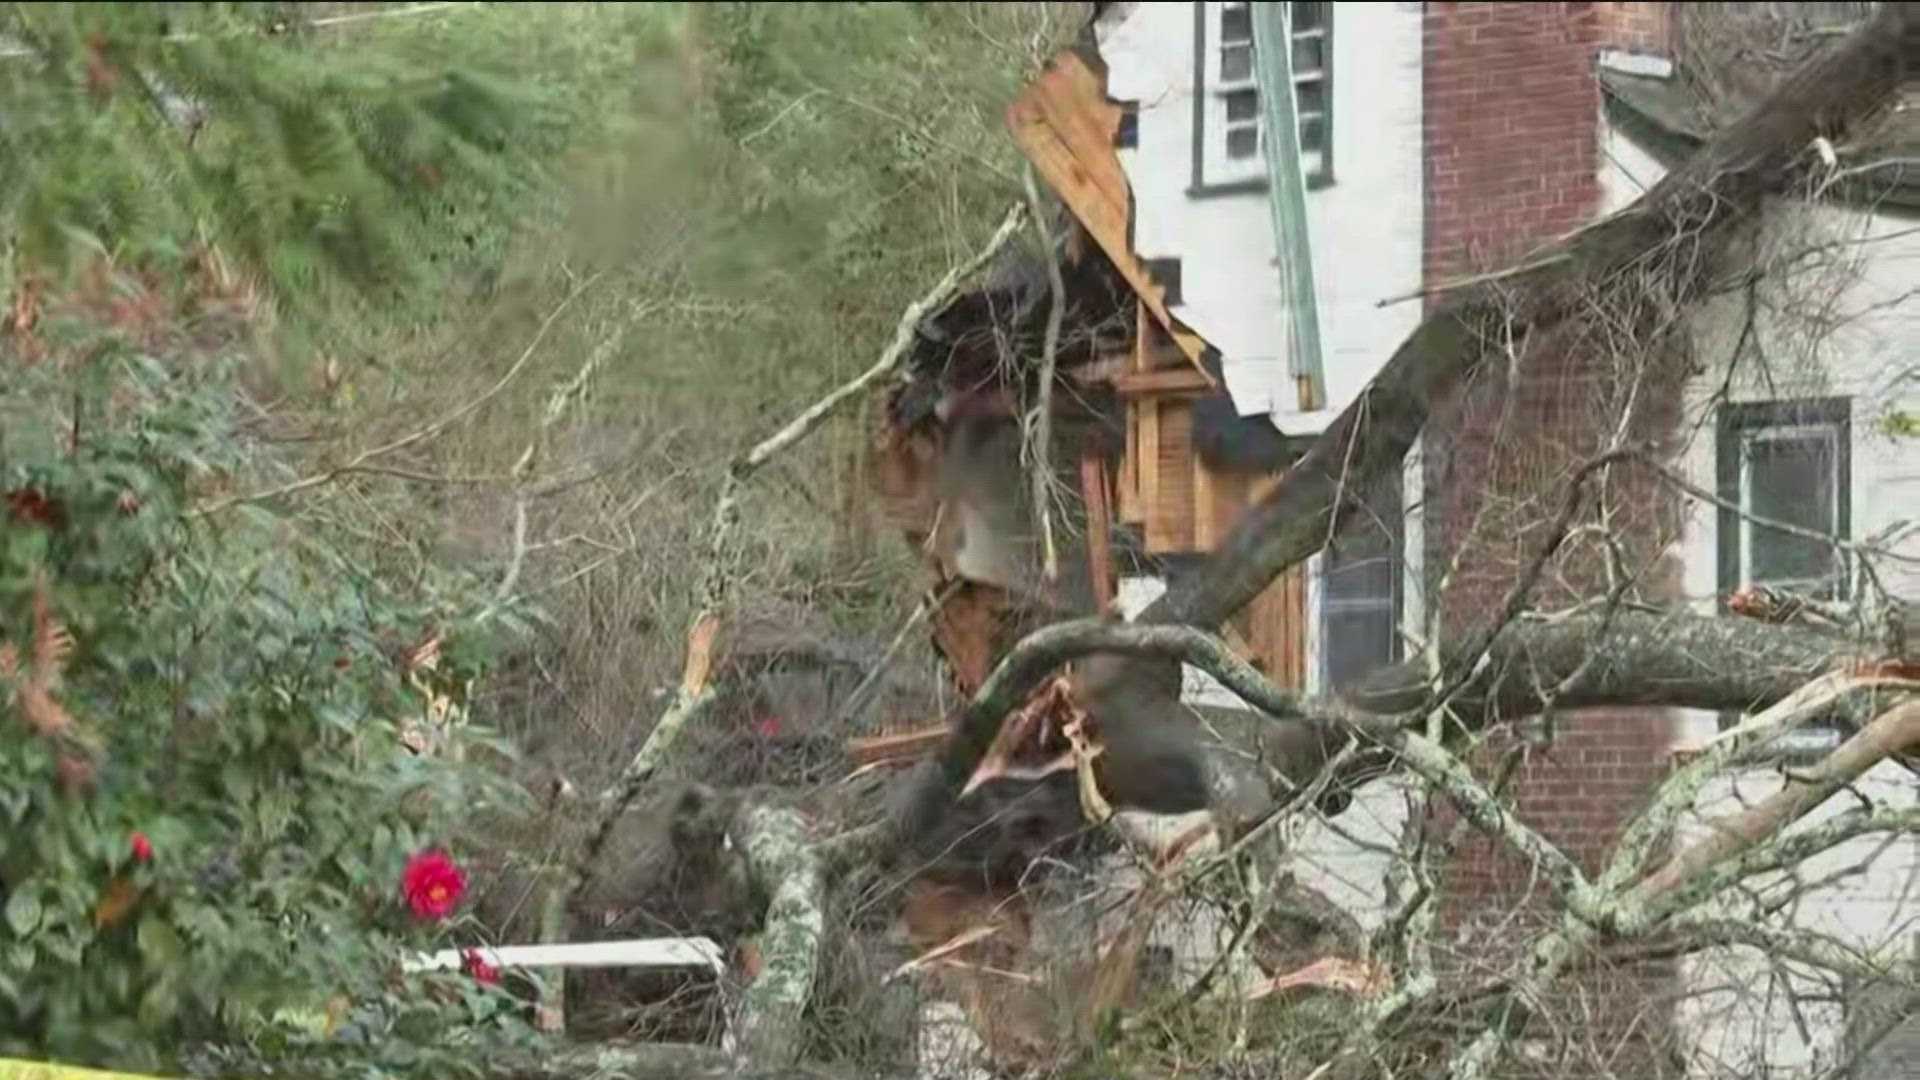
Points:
(1785, 462)
(1231, 115)
(1357, 590)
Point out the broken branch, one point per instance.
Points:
(1040, 429)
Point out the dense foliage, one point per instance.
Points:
(356, 173)
(207, 794)
(209, 791)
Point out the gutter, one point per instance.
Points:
(1287, 198)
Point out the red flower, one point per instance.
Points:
(476, 965)
(768, 727)
(142, 847)
(33, 507)
(432, 884)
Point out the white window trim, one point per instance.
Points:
(1216, 166)
(1219, 168)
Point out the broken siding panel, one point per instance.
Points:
(1093, 488)
(1063, 123)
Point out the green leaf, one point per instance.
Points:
(23, 912)
(160, 1004)
(159, 942)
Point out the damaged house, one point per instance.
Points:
(1259, 200)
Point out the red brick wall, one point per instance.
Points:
(1511, 149)
(1512, 114)
(1637, 27)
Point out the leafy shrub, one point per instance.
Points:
(206, 795)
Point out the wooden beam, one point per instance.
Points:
(1093, 488)
(1168, 382)
(1129, 495)
(899, 746)
(1149, 461)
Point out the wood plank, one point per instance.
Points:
(1063, 123)
(1149, 461)
(1168, 381)
(696, 952)
(1293, 627)
(1093, 488)
(897, 746)
(1141, 322)
(1203, 499)
(1128, 496)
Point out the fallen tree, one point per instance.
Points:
(1516, 664)
(1696, 206)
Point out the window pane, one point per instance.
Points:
(1236, 63)
(1367, 577)
(1790, 479)
(1243, 142)
(1311, 96)
(1356, 642)
(1309, 55)
(1313, 133)
(1243, 105)
(1309, 16)
(1236, 23)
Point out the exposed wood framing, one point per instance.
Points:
(1093, 489)
(1064, 124)
(1131, 508)
(1169, 381)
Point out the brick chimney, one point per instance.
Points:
(1513, 136)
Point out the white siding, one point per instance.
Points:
(1366, 227)
(1738, 1016)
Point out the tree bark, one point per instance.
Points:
(1634, 658)
(784, 865)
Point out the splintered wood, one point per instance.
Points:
(966, 630)
(1033, 742)
(1063, 123)
(977, 949)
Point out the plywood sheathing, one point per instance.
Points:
(1063, 123)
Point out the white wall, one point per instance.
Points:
(1739, 1015)
(1366, 227)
